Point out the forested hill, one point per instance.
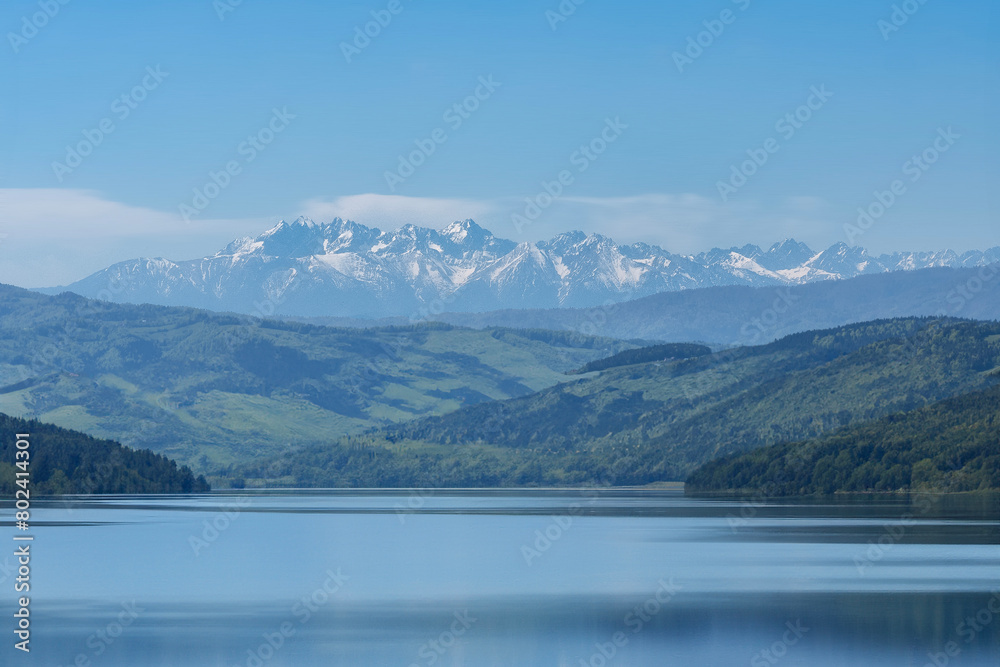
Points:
(660, 421)
(645, 355)
(953, 445)
(209, 390)
(694, 410)
(64, 461)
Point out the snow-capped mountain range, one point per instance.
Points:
(341, 268)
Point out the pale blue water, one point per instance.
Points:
(445, 579)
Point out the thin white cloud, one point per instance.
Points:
(65, 213)
(55, 236)
(678, 222)
(81, 214)
(393, 211)
(692, 223)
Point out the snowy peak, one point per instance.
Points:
(342, 236)
(303, 221)
(466, 232)
(842, 259)
(469, 239)
(300, 238)
(343, 268)
(788, 254)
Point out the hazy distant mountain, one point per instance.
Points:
(738, 315)
(345, 269)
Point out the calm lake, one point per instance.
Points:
(474, 578)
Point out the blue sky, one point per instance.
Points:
(554, 91)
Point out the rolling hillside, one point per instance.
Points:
(659, 421)
(210, 390)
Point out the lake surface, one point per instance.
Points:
(547, 578)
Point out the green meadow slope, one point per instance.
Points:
(211, 390)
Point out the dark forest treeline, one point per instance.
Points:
(644, 355)
(951, 446)
(64, 461)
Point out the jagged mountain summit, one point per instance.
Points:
(342, 268)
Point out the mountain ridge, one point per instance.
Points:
(346, 269)
(741, 315)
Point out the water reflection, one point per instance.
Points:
(550, 578)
